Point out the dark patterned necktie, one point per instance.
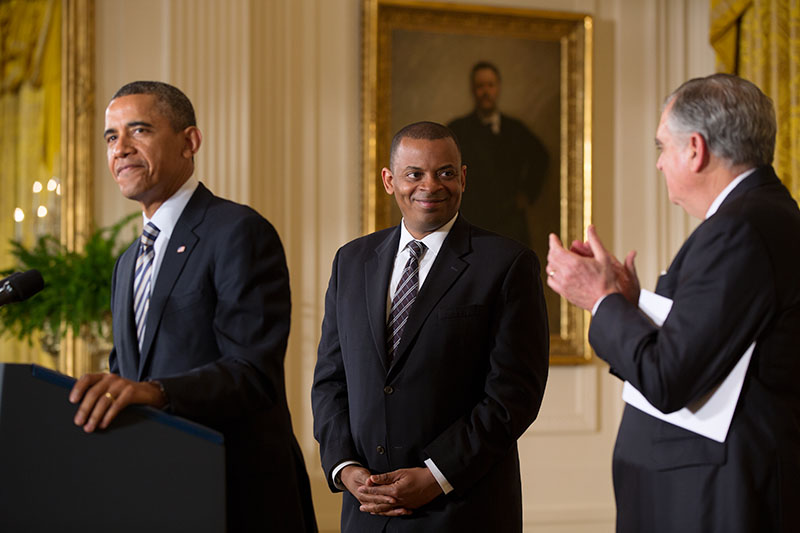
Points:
(404, 298)
(142, 279)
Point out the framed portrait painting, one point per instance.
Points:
(515, 87)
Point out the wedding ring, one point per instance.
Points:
(110, 397)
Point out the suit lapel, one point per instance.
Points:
(446, 269)
(184, 238)
(377, 273)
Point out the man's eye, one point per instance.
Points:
(110, 139)
(414, 175)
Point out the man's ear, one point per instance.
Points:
(388, 180)
(192, 141)
(699, 154)
(463, 178)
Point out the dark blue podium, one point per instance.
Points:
(149, 471)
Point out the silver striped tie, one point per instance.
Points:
(404, 298)
(143, 278)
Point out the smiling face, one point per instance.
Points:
(148, 159)
(427, 180)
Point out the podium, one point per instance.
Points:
(149, 471)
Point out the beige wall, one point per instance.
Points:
(276, 87)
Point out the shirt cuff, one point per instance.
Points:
(337, 479)
(597, 304)
(440, 479)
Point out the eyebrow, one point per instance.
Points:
(443, 167)
(411, 168)
(133, 124)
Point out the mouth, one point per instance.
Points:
(429, 203)
(126, 167)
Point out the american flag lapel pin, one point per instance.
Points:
(181, 249)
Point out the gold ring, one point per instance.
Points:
(110, 397)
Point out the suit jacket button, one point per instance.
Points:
(381, 450)
(388, 389)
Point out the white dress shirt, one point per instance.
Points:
(165, 218)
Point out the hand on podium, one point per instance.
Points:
(102, 396)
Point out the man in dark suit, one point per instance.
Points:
(428, 373)
(735, 281)
(507, 162)
(201, 311)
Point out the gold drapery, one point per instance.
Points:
(30, 133)
(760, 40)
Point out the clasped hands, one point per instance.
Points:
(103, 396)
(587, 272)
(394, 493)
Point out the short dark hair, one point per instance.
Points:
(171, 101)
(734, 117)
(483, 65)
(428, 131)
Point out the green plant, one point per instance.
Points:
(77, 287)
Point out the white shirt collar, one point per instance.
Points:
(433, 241)
(726, 191)
(167, 215)
(493, 121)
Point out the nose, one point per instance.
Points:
(431, 182)
(122, 146)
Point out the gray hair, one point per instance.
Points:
(734, 117)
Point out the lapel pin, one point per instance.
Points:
(181, 249)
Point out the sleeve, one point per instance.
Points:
(514, 384)
(722, 299)
(250, 325)
(329, 400)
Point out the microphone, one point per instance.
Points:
(20, 286)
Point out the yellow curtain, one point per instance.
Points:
(30, 134)
(760, 40)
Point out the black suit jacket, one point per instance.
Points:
(466, 381)
(735, 280)
(216, 338)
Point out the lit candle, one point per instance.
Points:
(19, 216)
(37, 189)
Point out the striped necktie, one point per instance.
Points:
(142, 280)
(404, 298)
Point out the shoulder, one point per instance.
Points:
(489, 247)
(762, 200)
(367, 243)
(225, 215)
(462, 122)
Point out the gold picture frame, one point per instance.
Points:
(416, 66)
(77, 139)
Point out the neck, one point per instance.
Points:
(717, 177)
(151, 205)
